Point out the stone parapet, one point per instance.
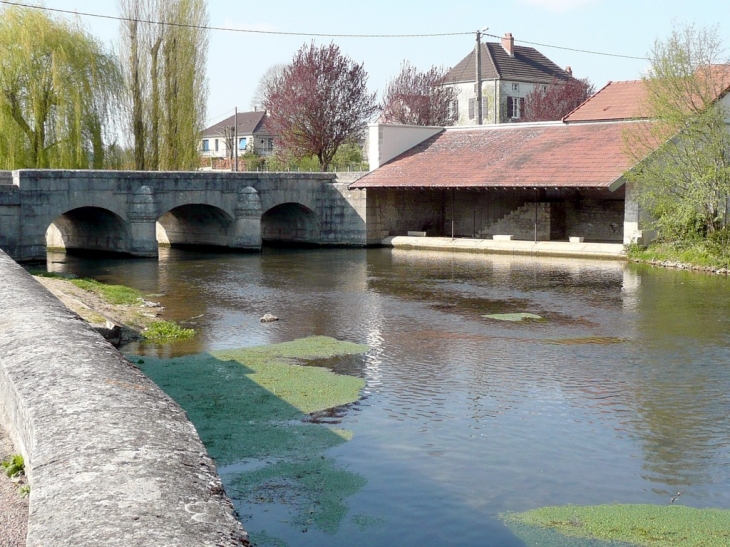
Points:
(111, 460)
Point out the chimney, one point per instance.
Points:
(569, 71)
(508, 43)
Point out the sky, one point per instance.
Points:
(237, 60)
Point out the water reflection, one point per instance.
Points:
(619, 396)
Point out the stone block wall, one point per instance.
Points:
(111, 460)
(520, 223)
(596, 220)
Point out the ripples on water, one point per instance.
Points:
(619, 396)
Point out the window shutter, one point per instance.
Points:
(472, 105)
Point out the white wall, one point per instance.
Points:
(386, 141)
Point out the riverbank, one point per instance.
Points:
(693, 257)
(14, 514)
(116, 322)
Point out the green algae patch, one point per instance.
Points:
(314, 487)
(252, 402)
(515, 317)
(307, 389)
(635, 525)
(252, 408)
(586, 340)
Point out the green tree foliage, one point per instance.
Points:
(164, 70)
(318, 102)
(683, 178)
(57, 84)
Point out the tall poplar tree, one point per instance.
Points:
(57, 84)
(164, 50)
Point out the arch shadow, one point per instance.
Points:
(195, 225)
(88, 229)
(290, 224)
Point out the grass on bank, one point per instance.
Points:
(163, 331)
(700, 253)
(629, 524)
(114, 294)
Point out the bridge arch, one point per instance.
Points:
(195, 224)
(290, 223)
(88, 228)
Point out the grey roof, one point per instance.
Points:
(248, 124)
(528, 65)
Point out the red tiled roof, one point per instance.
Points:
(629, 100)
(615, 101)
(548, 155)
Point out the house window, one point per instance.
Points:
(216, 145)
(515, 87)
(472, 108)
(206, 145)
(242, 143)
(515, 106)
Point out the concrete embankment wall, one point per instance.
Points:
(110, 459)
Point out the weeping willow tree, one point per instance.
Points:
(57, 84)
(164, 49)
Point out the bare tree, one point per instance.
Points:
(556, 100)
(419, 98)
(318, 102)
(271, 73)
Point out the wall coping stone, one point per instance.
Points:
(111, 460)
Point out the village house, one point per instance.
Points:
(508, 74)
(217, 141)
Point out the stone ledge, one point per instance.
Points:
(111, 460)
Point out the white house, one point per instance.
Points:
(509, 73)
(217, 141)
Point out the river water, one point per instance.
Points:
(620, 395)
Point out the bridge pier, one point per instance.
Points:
(142, 218)
(247, 230)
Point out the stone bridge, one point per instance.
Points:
(135, 211)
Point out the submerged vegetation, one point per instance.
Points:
(253, 410)
(514, 317)
(637, 525)
(163, 331)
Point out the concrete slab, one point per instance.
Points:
(614, 251)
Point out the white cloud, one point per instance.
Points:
(559, 5)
